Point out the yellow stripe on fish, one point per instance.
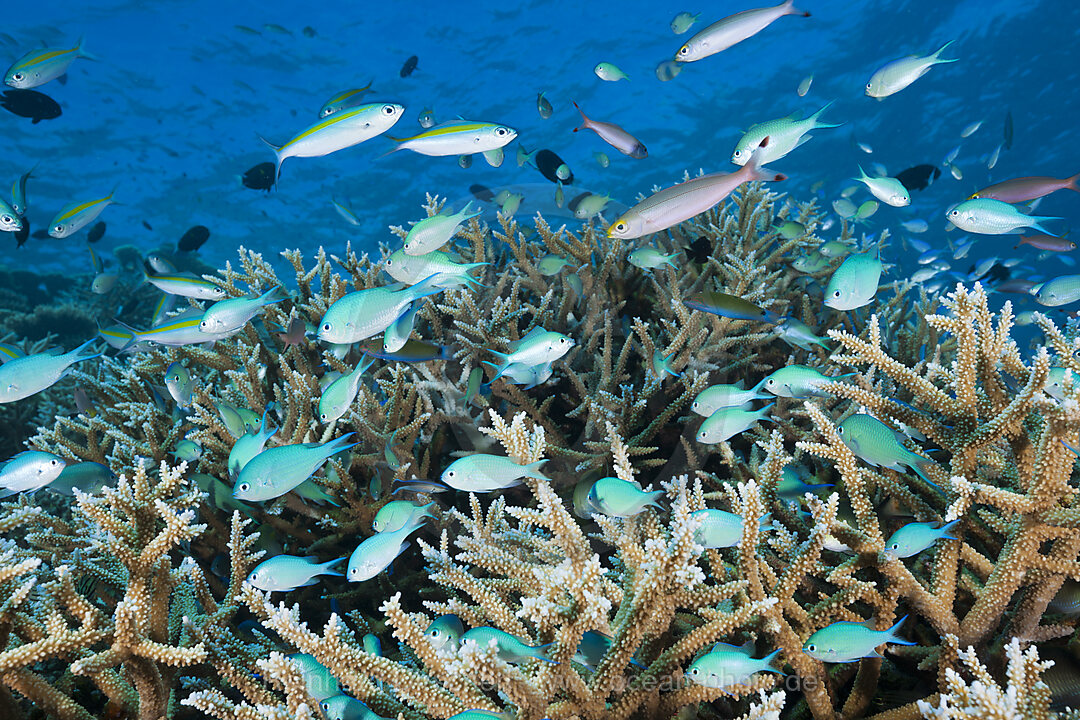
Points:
(444, 130)
(333, 119)
(44, 57)
(71, 212)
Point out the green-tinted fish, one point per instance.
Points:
(339, 395)
(726, 423)
(543, 106)
(834, 248)
(283, 573)
(648, 258)
(661, 364)
(722, 529)
(537, 347)
(320, 682)
(29, 471)
(615, 497)
(342, 101)
(510, 649)
(395, 336)
(728, 665)
(590, 205)
(458, 137)
(343, 707)
(74, 216)
(551, 265)
(481, 472)
(28, 375)
(38, 67)
(366, 313)
(792, 487)
(396, 514)
(855, 282)
(476, 377)
(187, 450)
(798, 334)
(798, 381)
(432, 233)
(375, 554)
(178, 383)
(886, 189)
(915, 537)
(87, 477)
(609, 72)
(878, 444)
(894, 76)
(248, 445)
(602, 159)
(715, 397)
(234, 313)
(445, 629)
(276, 471)
(848, 641)
(443, 272)
(790, 229)
(682, 22)
(865, 210)
(987, 216)
(338, 131)
(812, 263)
(1057, 291)
(784, 134)
(730, 306)
(592, 649)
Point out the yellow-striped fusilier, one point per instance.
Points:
(74, 216)
(38, 67)
(679, 203)
(458, 137)
(343, 101)
(9, 218)
(186, 285)
(338, 131)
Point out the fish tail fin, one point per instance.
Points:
(790, 9)
(919, 464)
(772, 663)
(894, 634)
(277, 155)
(1071, 184)
(1037, 224)
(80, 51)
(338, 445)
(534, 470)
(584, 117)
(500, 369)
(815, 117)
(947, 528)
(763, 413)
(427, 286)
(77, 352)
(327, 567)
(543, 652)
(937, 56)
(756, 171)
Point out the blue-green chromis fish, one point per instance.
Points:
(395, 336)
(849, 641)
(726, 423)
(87, 477)
(616, 497)
(338, 131)
(510, 649)
(481, 472)
(342, 101)
(879, 445)
(187, 450)
(792, 487)
(609, 72)
(365, 313)
(721, 529)
(288, 572)
(854, 283)
(715, 397)
(539, 346)
(343, 707)
(396, 514)
(74, 216)
(892, 77)
(661, 365)
(9, 219)
(375, 554)
(886, 189)
(543, 106)
(29, 471)
(38, 67)
(433, 232)
(178, 383)
(798, 381)
(412, 269)
(276, 471)
(232, 314)
(320, 682)
(340, 394)
(915, 537)
(1058, 291)
(728, 665)
(798, 334)
(682, 22)
(784, 134)
(987, 216)
(472, 387)
(445, 631)
(30, 374)
(648, 258)
(371, 644)
(248, 445)
(592, 648)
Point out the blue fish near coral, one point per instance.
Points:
(376, 553)
(288, 572)
(276, 471)
(729, 665)
(445, 631)
(510, 648)
(480, 472)
(848, 641)
(30, 374)
(877, 444)
(29, 471)
(721, 529)
(620, 498)
(343, 707)
(915, 537)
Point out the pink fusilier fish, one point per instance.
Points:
(679, 203)
(1022, 189)
(733, 29)
(1047, 242)
(613, 135)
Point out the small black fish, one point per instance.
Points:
(309, 31)
(96, 232)
(22, 233)
(482, 193)
(30, 104)
(548, 163)
(147, 226)
(919, 177)
(260, 177)
(193, 239)
(409, 66)
(700, 250)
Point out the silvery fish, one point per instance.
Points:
(616, 497)
(375, 554)
(726, 423)
(178, 383)
(481, 472)
(994, 217)
(784, 134)
(283, 573)
(1062, 290)
(715, 397)
(366, 313)
(543, 106)
(798, 381)
(458, 137)
(613, 135)
(886, 189)
(648, 258)
(854, 283)
(509, 648)
(29, 471)
(395, 336)
(396, 514)
(187, 450)
(894, 76)
(671, 206)
(320, 682)
(729, 665)
(74, 216)
(38, 67)
(338, 131)
(411, 269)
(234, 313)
(879, 445)
(538, 347)
(798, 334)
(340, 394)
(178, 331)
(722, 529)
(248, 445)
(186, 285)
(18, 193)
(443, 630)
(276, 471)
(345, 212)
(28, 375)
(682, 22)
(915, 537)
(434, 232)
(733, 29)
(342, 101)
(9, 218)
(848, 641)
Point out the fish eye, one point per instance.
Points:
(684, 50)
(738, 153)
(435, 633)
(391, 262)
(326, 327)
(839, 431)
(811, 647)
(52, 462)
(954, 213)
(500, 131)
(58, 228)
(322, 416)
(388, 109)
(695, 405)
(353, 571)
(244, 487)
(837, 293)
(620, 227)
(325, 706)
(895, 546)
(451, 473)
(17, 76)
(694, 671)
(7, 219)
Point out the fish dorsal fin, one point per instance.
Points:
(531, 335)
(740, 383)
(871, 624)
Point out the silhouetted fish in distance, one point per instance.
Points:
(919, 177)
(193, 239)
(409, 66)
(96, 232)
(260, 177)
(30, 104)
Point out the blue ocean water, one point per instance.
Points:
(171, 112)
